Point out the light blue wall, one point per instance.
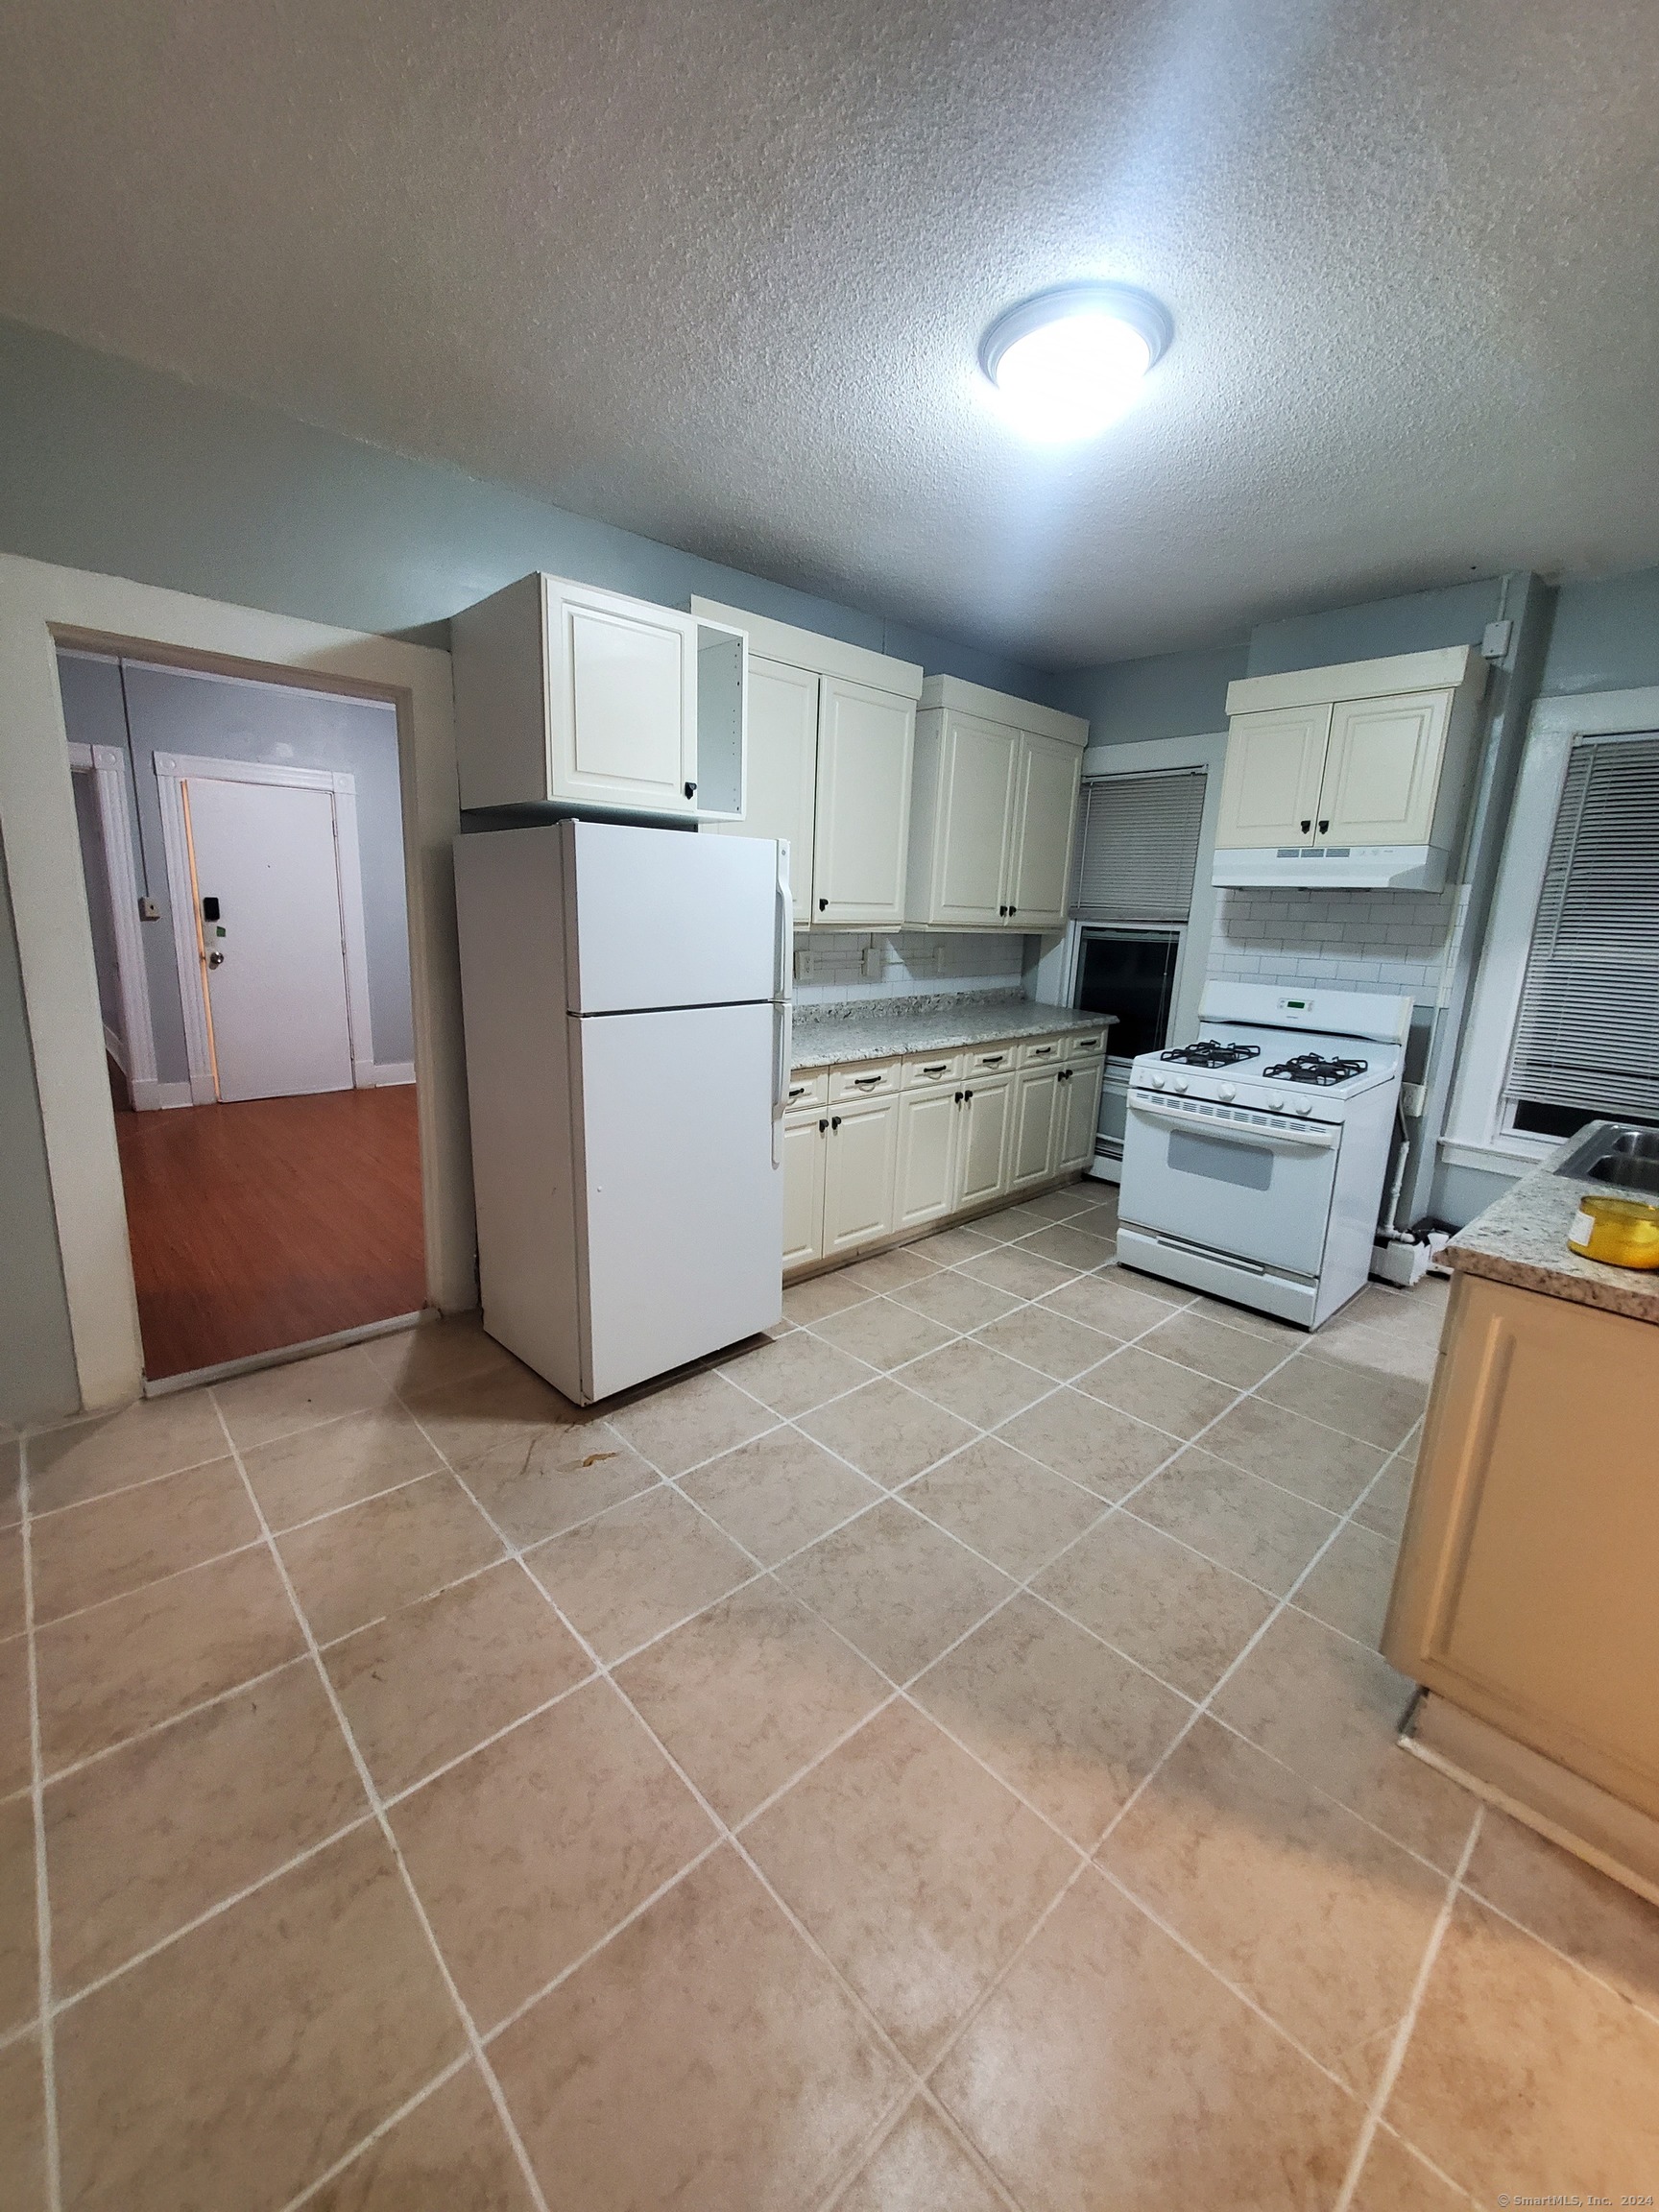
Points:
(1416, 623)
(1606, 635)
(1166, 695)
(113, 467)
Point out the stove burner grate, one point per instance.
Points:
(1208, 1053)
(1314, 1068)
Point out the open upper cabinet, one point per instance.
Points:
(1350, 777)
(567, 695)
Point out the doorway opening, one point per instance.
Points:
(242, 846)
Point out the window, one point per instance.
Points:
(1137, 847)
(1586, 1034)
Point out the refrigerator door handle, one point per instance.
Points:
(783, 940)
(783, 1014)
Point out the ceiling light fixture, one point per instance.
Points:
(1068, 362)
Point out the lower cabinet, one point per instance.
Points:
(884, 1148)
(928, 1123)
(1032, 1147)
(861, 1152)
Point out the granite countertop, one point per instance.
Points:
(867, 1029)
(1523, 1240)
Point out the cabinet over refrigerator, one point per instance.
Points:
(626, 998)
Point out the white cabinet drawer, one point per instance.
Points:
(1085, 1047)
(942, 1067)
(809, 1088)
(1042, 1051)
(988, 1060)
(868, 1080)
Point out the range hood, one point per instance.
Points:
(1334, 867)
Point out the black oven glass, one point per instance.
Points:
(1134, 978)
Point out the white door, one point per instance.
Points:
(866, 744)
(663, 917)
(783, 768)
(1033, 1139)
(681, 1209)
(1040, 865)
(1270, 791)
(1383, 770)
(805, 1144)
(863, 1144)
(927, 1124)
(275, 978)
(978, 773)
(982, 1147)
(622, 695)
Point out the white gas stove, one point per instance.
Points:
(1255, 1158)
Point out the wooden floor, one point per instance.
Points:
(272, 1222)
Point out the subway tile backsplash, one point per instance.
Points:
(1393, 941)
(909, 964)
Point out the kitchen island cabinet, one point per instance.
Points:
(1524, 1596)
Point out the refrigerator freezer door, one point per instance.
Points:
(666, 918)
(682, 1210)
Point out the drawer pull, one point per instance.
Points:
(1041, 1052)
(938, 1070)
(992, 1059)
(867, 1082)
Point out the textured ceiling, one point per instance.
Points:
(717, 271)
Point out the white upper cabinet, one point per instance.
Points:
(576, 697)
(1275, 763)
(832, 731)
(1350, 777)
(993, 810)
(865, 741)
(1383, 769)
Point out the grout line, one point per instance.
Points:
(468, 2027)
(364, 2143)
(1403, 2033)
(173, 1721)
(42, 1886)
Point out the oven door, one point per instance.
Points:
(1252, 1191)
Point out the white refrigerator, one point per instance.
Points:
(626, 994)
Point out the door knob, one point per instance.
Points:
(215, 958)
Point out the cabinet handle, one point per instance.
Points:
(1064, 1075)
(1041, 1052)
(938, 1071)
(1324, 826)
(834, 1120)
(967, 1097)
(1012, 911)
(958, 1097)
(822, 1126)
(866, 1082)
(824, 902)
(1306, 824)
(992, 1059)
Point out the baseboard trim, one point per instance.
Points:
(284, 1354)
(1579, 1816)
(154, 1098)
(388, 1073)
(965, 1220)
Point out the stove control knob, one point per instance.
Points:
(1180, 1082)
(1276, 1102)
(1156, 1081)
(1304, 1106)
(1228, 1090)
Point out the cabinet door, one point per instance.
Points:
(783, 768)
(928, 1125)
(866, 740)
(622, 700)
(1040, 856)
(978, 788)
(1270, 791)
(1032, 1147)
(861, 1153)
(806, 1142)
(1077, 1111)
(1383, 770)
(982, 1147)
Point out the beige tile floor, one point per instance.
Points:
(937, 1758)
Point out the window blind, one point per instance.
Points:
(1587, 1036)
(1137, 847)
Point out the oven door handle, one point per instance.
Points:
(1318, 1137)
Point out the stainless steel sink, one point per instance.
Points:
(1617, 1154)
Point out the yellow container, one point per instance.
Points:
(1623, 1232)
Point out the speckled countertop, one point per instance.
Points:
(1523, 1240)
(870, 1029)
